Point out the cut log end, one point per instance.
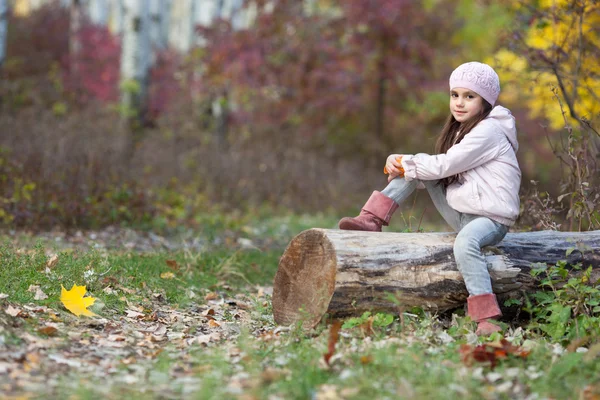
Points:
(305, 279)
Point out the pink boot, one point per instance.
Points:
(482, 307)
(376, 212)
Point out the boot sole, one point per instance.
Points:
(350, 226)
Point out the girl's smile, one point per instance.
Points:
(465, 104)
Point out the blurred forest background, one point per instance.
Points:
(152, 113)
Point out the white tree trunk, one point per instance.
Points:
(99, 11)
(181, 28)
(135, 55)
(160, 11)
(75, 24)
(3, 29)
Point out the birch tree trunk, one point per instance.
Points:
(345, 273)
(99, 11)
(75, 23)
(3, 30)
(135, 56)
(117, 17)
(160, 11)
(182, 33)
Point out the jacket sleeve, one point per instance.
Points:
(479, 146)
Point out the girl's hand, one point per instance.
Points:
(393, 166)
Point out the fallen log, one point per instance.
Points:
(344, 273)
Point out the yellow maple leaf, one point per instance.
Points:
(74, 301)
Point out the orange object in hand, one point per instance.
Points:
(399, 160)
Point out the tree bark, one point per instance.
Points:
(75, 23)
(3, 29)
(99, 11)
(160, 11)
(344, 273)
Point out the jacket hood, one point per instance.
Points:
(504, 120)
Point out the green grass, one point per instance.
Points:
(396, 361)
(139, 273)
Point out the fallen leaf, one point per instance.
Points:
(208, 312)
(74, 301)
(62, 360)
(172, 264)
(52, 261)
(366, 360)
(109, 290)
(39, 294)
(12, 311)
(48, 330)
(32, 361)
(3, 296)
(213, 324)
(134, 314)
(211, 296)
(592, 353)
(54, 317)
(490, 352)
(334, 335)
(577, 343)
(167, 275)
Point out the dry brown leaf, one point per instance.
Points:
(32, 361)
(52, 261)
(173, 265)
(158, 338)
(39, 294)
(590, 392)
(270, 375)
(134, 314)
(208, 312)
(366, 359)
(577, 343)
(48, 330)
(211, 296)
(54, 317)
(160, 331)
(202, 339)
(12, 311)
(334, 335)
(490, 352)
(213, 324)
(241, 304)
(109, 290)
(593, 352)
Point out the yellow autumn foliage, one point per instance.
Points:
(564, 42)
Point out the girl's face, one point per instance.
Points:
(465, 104)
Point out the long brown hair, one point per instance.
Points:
(448, 136)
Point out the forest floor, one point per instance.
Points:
(191, 317)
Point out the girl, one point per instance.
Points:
(473, 181)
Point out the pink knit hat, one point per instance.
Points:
(478, 77)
